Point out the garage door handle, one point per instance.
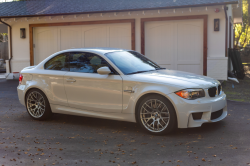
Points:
(71, 80)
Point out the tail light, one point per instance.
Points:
(20, 78)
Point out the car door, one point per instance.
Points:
(52, 79)
(88, 90)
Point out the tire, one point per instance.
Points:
(37, 105)
(153, 111)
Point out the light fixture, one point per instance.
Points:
(22, 33)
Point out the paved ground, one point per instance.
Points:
(2, 75)
(71, 140)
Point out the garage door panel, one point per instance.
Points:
(120, 37)
(45, 43)
(49, 40)
(70, 37)
(192, 68)
(160, 42)
(167, 66)
(190, 41)
(94, 37)
(176, 45)
(188, 63)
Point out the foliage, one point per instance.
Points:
(2, 36)
(242, 31)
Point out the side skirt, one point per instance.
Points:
(73, 111)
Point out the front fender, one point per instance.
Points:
(140, 89)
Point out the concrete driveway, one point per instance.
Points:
(72, 140)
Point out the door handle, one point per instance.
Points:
(70, 80)
(129, 91)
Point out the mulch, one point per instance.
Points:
(238, 91)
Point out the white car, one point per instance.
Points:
(120, 85)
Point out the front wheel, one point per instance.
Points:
(156, 115)
(38, 105)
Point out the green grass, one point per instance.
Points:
(241, 100)
(231, 93)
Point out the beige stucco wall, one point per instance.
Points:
(216, 40)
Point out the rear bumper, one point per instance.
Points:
(206, 106)
(21, 94)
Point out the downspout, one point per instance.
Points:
(10, 38)
(230, 32)
(225, 9)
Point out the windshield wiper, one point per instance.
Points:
(160, 68)
(139, 72)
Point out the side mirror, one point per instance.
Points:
(103, 71)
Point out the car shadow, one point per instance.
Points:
(128, 127)
(94, 123)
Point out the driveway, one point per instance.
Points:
(72, 140)
(2, 75)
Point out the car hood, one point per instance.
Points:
(176, 78)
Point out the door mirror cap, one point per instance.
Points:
(104, 71)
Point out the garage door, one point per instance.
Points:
(176, 45)
(49, 40)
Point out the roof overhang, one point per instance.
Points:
(126, 10)
(3, 28)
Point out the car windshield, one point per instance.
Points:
(131, 62)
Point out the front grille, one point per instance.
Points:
(219, 88)
(216, 114)
(212, 91)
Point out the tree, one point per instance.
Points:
(3, 37)
(242, 31)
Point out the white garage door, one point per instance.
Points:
(49, 40)
(176, 45)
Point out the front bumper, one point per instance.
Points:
(206, 105)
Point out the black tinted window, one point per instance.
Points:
(132, 62)
(86, 62)
(59, 62)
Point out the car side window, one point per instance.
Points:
(86, 62)
(59, 62)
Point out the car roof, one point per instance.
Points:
(101, 50)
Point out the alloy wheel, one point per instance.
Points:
(154, 115)
(36, 104)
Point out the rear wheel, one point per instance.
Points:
(156, 115)
(37, 105)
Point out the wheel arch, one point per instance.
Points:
(31, 88)
(154, 93)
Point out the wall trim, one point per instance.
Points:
(205, 20)
(217, 58)
(31, 26)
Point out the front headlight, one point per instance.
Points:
(191, 94)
